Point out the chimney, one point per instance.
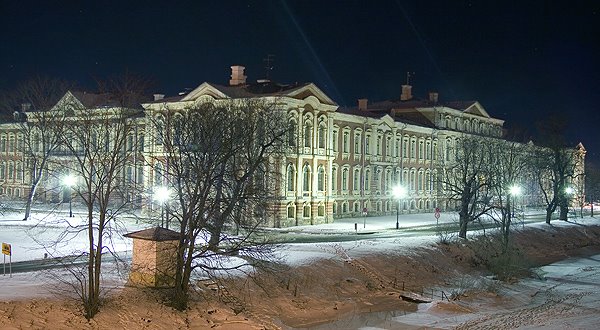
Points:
(362, 104)
(237, 75)
(158, 97)
(406, 93)
(433, 97)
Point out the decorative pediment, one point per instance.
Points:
(477, 109)
(68, 101)
(306, 91)
(204, 89)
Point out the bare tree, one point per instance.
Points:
(554, 165)
(466, 179)
(97, 138)
(219, 161)
(40, 119)
(507, 166)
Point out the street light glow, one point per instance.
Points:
(162, 194)
(515, 190)
(569, 190)
(69, 180)
(399, 192)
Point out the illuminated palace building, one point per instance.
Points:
(341, 162)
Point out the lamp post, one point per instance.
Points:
(69, 181)
(399, 193)
(161, 195)
(569, 191)
(514, 192)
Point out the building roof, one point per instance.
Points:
(156, 234)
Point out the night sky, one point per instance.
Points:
(519, 59)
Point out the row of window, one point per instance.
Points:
(417, 180)
(470, 125)
(11, 171)
(11, 143)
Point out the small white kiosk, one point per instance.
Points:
(154, 258)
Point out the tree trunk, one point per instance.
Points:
(563, 213)
(463, 222)
(31, 196)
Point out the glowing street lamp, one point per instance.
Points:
(162, 195)
(69, 181)
(514, 191)
(399, 193)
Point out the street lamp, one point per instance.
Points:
(69, 181)
(162, 195)
(514, 192)
(399, 193)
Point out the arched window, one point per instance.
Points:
(321, 210)
(159, 126)
(291, 211)
(11, 143)
(346, 142)
(2, 170)
(306, 210)
(306, 178)
(158, 173)
(11, 170)
(291, 178)
(291, 134)
(345, 179)
(3, 143)
(322, 134)
(367, 179)
(357, 143)
(307, 134)
(19, 171)
(356, 179)
(321, 179)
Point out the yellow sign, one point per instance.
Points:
(6, 249)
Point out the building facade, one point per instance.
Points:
(339, 161)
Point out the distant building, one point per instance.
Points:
(340, 162)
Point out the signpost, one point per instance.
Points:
(6, 251)
(437, 215)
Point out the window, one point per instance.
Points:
(346, 142)
(291, 134)
(140, 145)
(19, 171)
(291, 178)
(357, 144)
(405, 148)
(159, 125)
(322, 135)
(367, 138)
(345, 179)
(367, 178)
(11, 171)
(379, 139)
(388, 146)
(413, 148)
(158, 173)
(291, 211)
(428, 150)
(307, 134)
(11, 143)
(321, 178)
(421, 149)
(321, 210)
(306, 211)
(3, 143)
(306, 178)
(335, 140)
(140, 175)
(355, 179)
